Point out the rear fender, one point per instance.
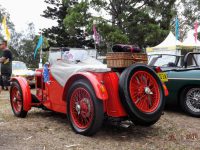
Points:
(25, 91)
(96, 81)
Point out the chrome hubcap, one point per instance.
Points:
(78, 108)
(83, 107)
(148, 91)
(14, 99)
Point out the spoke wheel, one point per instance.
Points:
(16, 100)
(85, 111)
(82, 109)
(142, 95)
(190, 101)
(144, 91)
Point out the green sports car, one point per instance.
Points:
(183, 73)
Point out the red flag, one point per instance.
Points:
(96, 35)
(195, 31)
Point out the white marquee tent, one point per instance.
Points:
(169, 44)
(190, 43)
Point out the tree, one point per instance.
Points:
(77, 20)
(23, 45)
(10, 25)
(59, 36)
(188, 14)
(145, 22)
(141, 21)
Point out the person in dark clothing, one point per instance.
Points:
(6, 65)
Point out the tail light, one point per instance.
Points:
(158, 69)
(165, 89)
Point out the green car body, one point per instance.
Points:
(183, 73)
(178, 81)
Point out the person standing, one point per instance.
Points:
(6, 65)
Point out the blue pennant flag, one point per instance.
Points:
(46, 73)
(177, 28)
(39, 44)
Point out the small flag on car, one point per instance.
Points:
(46, 73)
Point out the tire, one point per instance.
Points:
(142, 95)
(16, 100)
(84, 110)
(190, 101)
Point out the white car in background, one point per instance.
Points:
(19, 68)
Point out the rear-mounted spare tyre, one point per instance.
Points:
(142, 95)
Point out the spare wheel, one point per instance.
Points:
(142, 95)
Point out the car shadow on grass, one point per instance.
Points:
(175, 109)
(116, 131)
(49, 116)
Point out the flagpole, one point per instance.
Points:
(40, 63)
(95, 47)
(94, 30)
(177, 33)
(195, 34)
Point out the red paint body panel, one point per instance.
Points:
(53, 99)
(53, 95)
(25, 91)
(105, 85)
(113, 105)
(94, 78)
(50, 94)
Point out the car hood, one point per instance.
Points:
(23, 73)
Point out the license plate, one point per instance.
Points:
(163, 76)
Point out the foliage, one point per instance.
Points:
(60, 36)
(145, 22)
(188, 14)
(23, 44)
(10, 25)
(142, 21)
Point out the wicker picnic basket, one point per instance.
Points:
(125, 59)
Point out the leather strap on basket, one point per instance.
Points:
(137, 58)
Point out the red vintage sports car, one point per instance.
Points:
(88, 92)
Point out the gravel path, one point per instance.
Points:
(44, 130)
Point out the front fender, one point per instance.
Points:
(26, 92)
(96, 80)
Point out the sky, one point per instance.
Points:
(23, 12)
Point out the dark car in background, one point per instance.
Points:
(183, 74)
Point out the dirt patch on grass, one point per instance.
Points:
(46, 130)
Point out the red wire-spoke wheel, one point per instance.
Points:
(82, 109)
(16, 100)
(144, 91)
(85, 111)
(142, 95)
